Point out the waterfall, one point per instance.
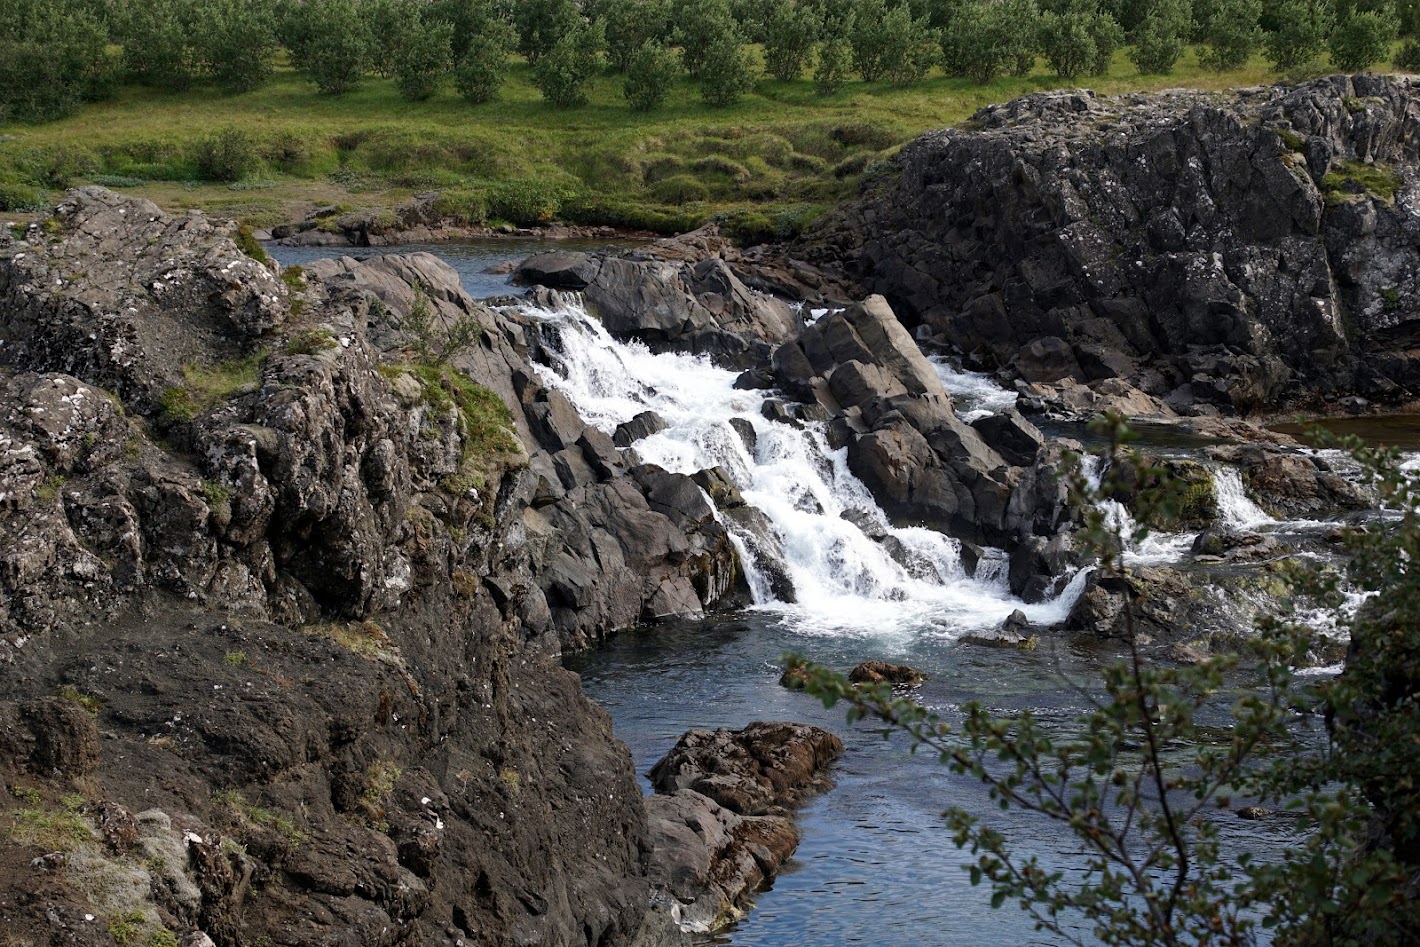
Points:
(851, 570)
(976, 395)
(1234, 508)
(1154, 549)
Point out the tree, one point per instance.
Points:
(472, 20)
(699, 25)
(386, 22)
(915, 48)
(835, 59)
(649, 76)
(985, 40)
(425, 58)
(727, 72)
(543, 24)
(1160, 36)
(1300, 34)
(53, 55)
(1146, 818)
(1231, 34)
(160, 46)
(337, 47)
(871, 38)
(790, 33)
(1107, 37)
(630, 24)
(563, 72)
(238, 43)
(1361, 40)
(480, 73)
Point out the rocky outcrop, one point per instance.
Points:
(282, 603)
(719, 821)
(881, 672)
(1293, 485)
(1214, 253)
(671, 301)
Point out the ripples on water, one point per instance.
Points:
(876, 865)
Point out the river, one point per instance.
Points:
(876, 865)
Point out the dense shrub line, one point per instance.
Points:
(56, 54)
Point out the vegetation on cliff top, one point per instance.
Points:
(253, 110)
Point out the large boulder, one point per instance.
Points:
(1208, 250)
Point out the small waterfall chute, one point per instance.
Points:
(850, 569)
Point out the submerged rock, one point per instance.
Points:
(880, 672)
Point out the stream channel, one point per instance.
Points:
(876, 865)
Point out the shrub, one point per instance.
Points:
(425, 58)
(385, 22)
(479, 75)
(789, 36)
(16, 196)
(1300, 35)
(1159, 38)
(543, 25)
(1361, 40)
(1230, 34)
(160, 46)
(53, 55)
(526, 203)
(1408, 56)
(463, 207)
(699, 26)
(915, 49)
(1067, 43)
(649, 76)
(238, 43)
(228, 155)
(835, 58)
(630, 24)
(680, 189)
(984, 40)
(337, 47)
(563, 73)
(726, 73)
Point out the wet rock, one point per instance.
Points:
(643, 425)
(712, 861)
(1293, 485)
(880, 672)
(747, 433)
(1253, 813)
(1222, 542)
(717, 823)
(559, 269)
(1013, 437)
(1015, 631)
(762, 768)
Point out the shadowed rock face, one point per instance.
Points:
(269, 595)
(1230, 252)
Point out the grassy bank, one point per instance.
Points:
(769, 163)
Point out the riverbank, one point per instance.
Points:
(768, 164)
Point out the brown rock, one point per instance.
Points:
(880, 672)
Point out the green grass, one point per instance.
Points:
(765, 165)
(205, 386)
(1379, 179)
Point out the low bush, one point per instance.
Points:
(228, 155)
(680, 189)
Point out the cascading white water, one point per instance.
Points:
(976, 395)
(1234, 507)
(1155, 548)
(843, 580)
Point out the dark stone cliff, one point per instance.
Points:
(1233, 252)
(280, 609)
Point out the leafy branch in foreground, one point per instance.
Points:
(1138, 780)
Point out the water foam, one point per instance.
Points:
(845, 582)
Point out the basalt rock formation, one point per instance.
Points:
(1211, 252)
(281, 604)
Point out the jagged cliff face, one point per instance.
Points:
(280, 611)
(1231, 251)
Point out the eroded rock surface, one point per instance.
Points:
(280, 606)
(1209, 251)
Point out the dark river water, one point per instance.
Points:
(876, 865)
